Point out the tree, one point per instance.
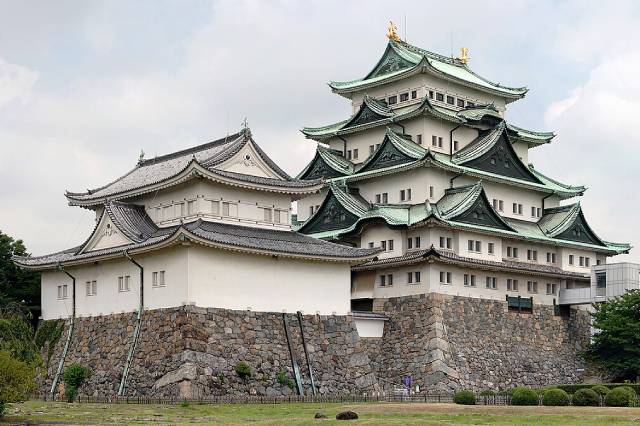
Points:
(16, 284)
(16, 380)
(16, 332)
(616, 343)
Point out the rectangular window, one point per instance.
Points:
(587, 261)
(581, 261)
(533, 212)
(267, 215)
(378, 199)
(439, 141)
(448, 242)
(419, 139)
(276, 216)
(383, 280)
(445, 277)
(417, 242)
(450, 100)
(191, 207)
(410, 277)
(470, 104)
(515, 208)
(402, 195)
(478, 246)
(62, 291)
(470, 245)
(570, 259)
(404, 97)
(390, 245)
(492, 283)
(434, 140)
(371, 244)
(532, 286)
(500, 205)
(551, 288)
(430, 94)
(439, 97)
(157, 279)
(512, 285)
(431, 192)
(515, 252)
(417, 276)
(469, 280)
(519, 209)
(383, 245)
(414, 94)
(348, 154)
(495, 204)
(409, 194)
(355, 154)
(461, 103)
(538, 212)
(385, 198)
(442, 242)
(229, 209)
(509, 252)
(455, 145)
(389, 280)
(393, 100)
(490, 248)
(409, 243)
(91, 288)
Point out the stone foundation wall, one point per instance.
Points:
(192, 352)
(443, 342)
(451, 342)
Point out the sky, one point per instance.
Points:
(86, 86)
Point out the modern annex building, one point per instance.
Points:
(425, 247)
(429, 170)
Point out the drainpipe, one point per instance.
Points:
(344, 146)
(451, 139)
(543, 199)
(71, 327)
(136, 332)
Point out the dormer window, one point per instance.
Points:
(393, 100)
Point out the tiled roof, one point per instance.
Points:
(421, 60)
(252, 239)
(161, 169)
(444, 256)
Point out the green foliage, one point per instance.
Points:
(221, 377)
(622, 396)
(74, 376)
(16, 379)
(16, 335)
(586, 398)
(243, 370)
(555, 397)
(291, 383)
(505, 392)
(282, 377)
(570, 389)
(3, 409)
(616, 344)
(487, 393)
(524, 396)
(17, 285)
(49, 333)
(600, 390)
(464, 397)
(184, 403)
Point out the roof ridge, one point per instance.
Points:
(192, 150)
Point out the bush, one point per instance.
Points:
(524, 396)
(570, 389)
(464, 397)
(601, 390)
(16, 379)
(487, 393)
(555, 397)
(243, 370)
(622, 396)
(3, 408)
(586, 398)
(282, 378)
(74, 376)
(291, 383)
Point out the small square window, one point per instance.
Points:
(439, 97)
(461, 103)
(419, 139)
(393, 100)
(404, 97)
(450, 100)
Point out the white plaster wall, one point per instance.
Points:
(430, 277)
(305, 203)
(237, 281)
(249, 203)
(565, 252)
(462, 243)
(419, 180)
(108, 299)
(369, 327)
(379, 232)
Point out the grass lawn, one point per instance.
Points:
(37, 412)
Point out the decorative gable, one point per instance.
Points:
(580, 231)
(387, 155)
(247, 161)
(331, 216)
(365, 115)
(501, 159)
(319, 169)
(390, 62)
(106, 235)
(483, 214)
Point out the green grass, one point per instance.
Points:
(37, 412)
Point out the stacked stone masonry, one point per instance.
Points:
(443, 342)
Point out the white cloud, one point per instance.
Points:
(16, 82)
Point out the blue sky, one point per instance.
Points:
(85, 86)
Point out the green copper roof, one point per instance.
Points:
(480, 146)
(467, 207)
(468, 116)
(327, 163)
(394, 149)
(401, 59)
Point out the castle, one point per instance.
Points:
(424, 245)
